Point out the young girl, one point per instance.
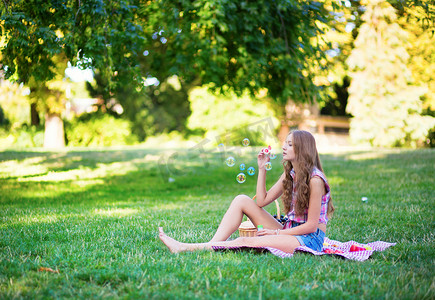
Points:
(305, 194)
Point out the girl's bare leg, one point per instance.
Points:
(243, 205)
(286, 243)
(176, 246)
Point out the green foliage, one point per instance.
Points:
(342, 29)
(422, 13)
(15, 105)
(336, 105)
(40, 37)
(384, 101)
(240, 45)
(421, 48)
(22, 137)
(3, 120)
(229, 45)
(151, 110)
(98, 34)
(93, 216)
(99, 130)
(155, 109)
(243, 45)
(50, 95)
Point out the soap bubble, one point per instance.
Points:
(272, 155)
(241, 178)
(265, 151)
(242, 167)
(231, 161)
(251, 171)
(245, 142)
(268, 166)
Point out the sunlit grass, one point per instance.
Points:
(116, 212)
(93, 216)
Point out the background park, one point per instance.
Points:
(116, 117)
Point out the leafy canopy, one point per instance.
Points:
(236, 45)
(383, 98)
(99, 34)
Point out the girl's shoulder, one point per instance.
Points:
(315, 172)
(318, 173)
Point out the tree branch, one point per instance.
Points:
(78, 10)
(6, 4)
(284, 31)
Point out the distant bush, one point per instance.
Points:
(3, 120)
(99, 129)
(22, 137)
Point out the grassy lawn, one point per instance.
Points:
(92, 215)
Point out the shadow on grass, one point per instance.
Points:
(70, 159)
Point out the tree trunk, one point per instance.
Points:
(54, 134)
(34, 116)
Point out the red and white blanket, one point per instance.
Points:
(350, 250)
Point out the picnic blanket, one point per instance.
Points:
(331, 247)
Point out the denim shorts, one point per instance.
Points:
(313, 240)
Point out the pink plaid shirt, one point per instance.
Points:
(325, 199)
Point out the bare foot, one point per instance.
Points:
(173, 245)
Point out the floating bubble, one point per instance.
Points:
(241, 178)
(268, 166)
(231, 161)
(246, 142)
(251, 171)
(272, 155)
(221, 145)
(242, 167)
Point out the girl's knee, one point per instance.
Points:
(242, 199)
(248, 242)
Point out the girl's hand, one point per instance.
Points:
(264, 232)
(262, 159)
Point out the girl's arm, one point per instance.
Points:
(263, 196)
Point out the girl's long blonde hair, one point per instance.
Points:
(307, 157)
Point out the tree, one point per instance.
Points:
(384, 100)
(42, 36)
(239, 45)
(421, 48)
(53, 93)
(344, 26)
(419, 12)
(236, 46)
(416, 17)
(231, 45)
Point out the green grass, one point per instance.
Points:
(93, 216)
